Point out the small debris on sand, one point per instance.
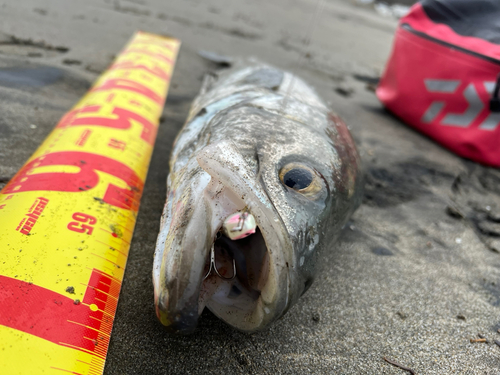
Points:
(316, 317)
(402, 315)
(346, 92)
(371, 87)
(367, 79)
(481, 336)
(399, 365)
(220, 60)
(477, 340)
(71, 62)
(454, 211)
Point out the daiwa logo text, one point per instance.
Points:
(32, 216)
(476, 106)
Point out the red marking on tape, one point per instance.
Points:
(83, 137)
(155, 70)
(142, 51)
(85, 179)
(106, 259)
(110, 97)
(144, 39)
(112, 248)
(128, 85)
(27, 223)
(135, 102)
(83, 362)
(122, 119)
(61, 369)
(51, 316)
(115, 143)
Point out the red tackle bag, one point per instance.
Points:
(441, 77)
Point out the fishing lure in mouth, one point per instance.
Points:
(263, 176)
(236, 227)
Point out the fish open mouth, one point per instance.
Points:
(239, 278)
(236, 272)
(199, 262)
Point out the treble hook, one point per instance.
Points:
(214, 267)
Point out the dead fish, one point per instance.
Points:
(263, 176)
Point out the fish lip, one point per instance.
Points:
(177, 271)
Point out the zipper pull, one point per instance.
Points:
(495, 100)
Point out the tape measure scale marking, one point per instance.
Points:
(67, 218)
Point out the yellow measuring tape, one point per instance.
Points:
(67, 217)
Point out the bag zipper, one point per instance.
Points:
(407, 27)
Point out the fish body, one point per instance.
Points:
(261, 144)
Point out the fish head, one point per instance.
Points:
(297, 190)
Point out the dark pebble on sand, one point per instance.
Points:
(316, 317)
(346, 92)
(453, 211)
(71, 62)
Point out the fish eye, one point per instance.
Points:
(300, 178)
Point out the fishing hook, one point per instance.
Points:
(213, 266)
